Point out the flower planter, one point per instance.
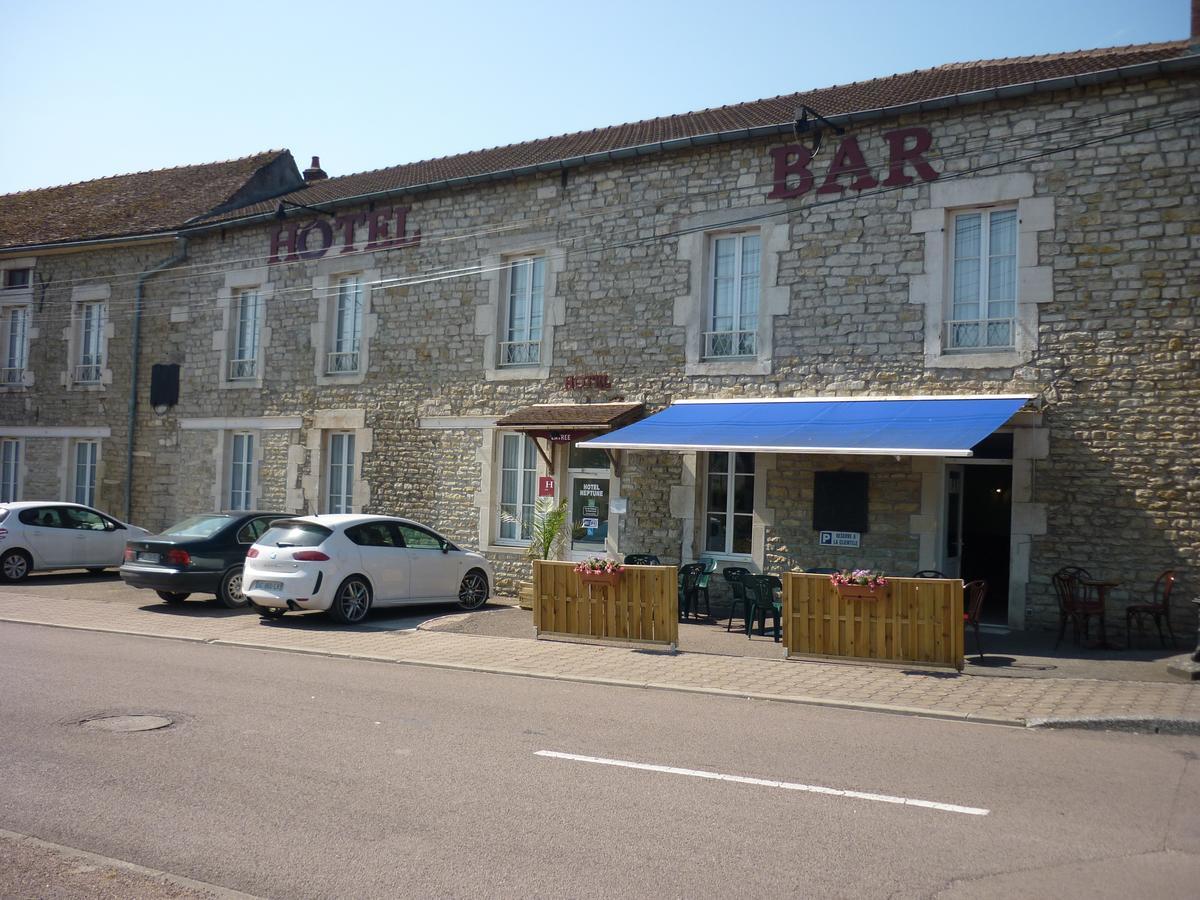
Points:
(609, 578)
(862, 592)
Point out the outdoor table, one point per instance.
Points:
(1102, 589)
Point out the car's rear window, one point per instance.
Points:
(198, 526)
(294, 534)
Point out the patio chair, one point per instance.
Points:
(733, 577)
(974, 592)
(928, 573)
(1075, 602)
(760, 600)
(641, 559)
(710, 566)
(689, 579)
(1158, 608)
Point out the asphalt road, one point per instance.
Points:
(297, 776)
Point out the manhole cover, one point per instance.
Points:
(127, 723)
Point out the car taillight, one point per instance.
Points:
(310, 556)
(252, 553)
(130, 554)
(178, 558)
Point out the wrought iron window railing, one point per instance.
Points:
(980, 334)
(520, 353)
(727, 344)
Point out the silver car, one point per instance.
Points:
(42, 535)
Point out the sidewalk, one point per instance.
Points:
(1009, 701)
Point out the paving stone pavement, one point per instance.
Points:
(1009, 701)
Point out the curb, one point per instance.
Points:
(799, 699)
(1132, 724)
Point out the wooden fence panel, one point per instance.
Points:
(918, 620)
(642, 607)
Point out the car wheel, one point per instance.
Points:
(230, 591)
(268, 612)
(351, 602)
(15, 565)
(173, 596)
(473, 592)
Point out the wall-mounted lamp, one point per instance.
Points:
(814, 125)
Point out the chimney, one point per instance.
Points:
(1194, 34)
(316, 173)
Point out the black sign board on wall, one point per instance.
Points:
(840, 501)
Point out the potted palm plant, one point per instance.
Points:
(545, 538)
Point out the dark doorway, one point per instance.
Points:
(987, 534)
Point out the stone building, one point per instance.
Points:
(438, 339)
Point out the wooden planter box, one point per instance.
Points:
(607, 578)
(862, 592)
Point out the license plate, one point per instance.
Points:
(149, 557)
(267, 586)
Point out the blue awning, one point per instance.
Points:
(903, 426)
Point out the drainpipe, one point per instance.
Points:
(138, 295)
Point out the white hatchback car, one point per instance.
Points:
(346, 564)
(36, 535)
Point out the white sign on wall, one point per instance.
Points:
(841, 539)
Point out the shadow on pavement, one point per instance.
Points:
(190, 609)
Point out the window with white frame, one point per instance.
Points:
(345, 333)
(14, 343)
(17, 279)
(526, 287)
(83, 476)
(247, 323)
(241, 470)
(10, 469)
(339, 474)
(518, 487)
(90, 362)
(734, 278)
(729, 503)
(983, 278)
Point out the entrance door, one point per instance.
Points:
(978, 532)
(589, 512)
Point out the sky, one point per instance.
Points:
(93, 89)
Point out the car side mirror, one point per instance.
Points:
(445, 548)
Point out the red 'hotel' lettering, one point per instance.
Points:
(312, 241)
(906, 146)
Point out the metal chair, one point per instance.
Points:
(733, 577)
(1075, 603)
(975, 593)
(760, 600)
(689, 580)
(928, 573)
(641, 559)
(1158, 608)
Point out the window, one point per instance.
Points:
(253, 530)
(10, 470)
(518, 486)
(241, 470)
(84, 520)
(840, 501)
(374, 534)
(17, 279)
(733, 296)
(243, 363)
(340, 475)
(983, 280)
(346, 331)
(84, 474)
(420, 539)
(91, 343)
(522, 343)
(14, 330)
(729, 503)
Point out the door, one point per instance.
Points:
(952, 549)
(433, 574)
(50, 538)
(97, 540)
(384, 561)
(987, 534)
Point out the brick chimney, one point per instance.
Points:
(316, 173)
(1194, 40)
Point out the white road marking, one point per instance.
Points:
(765, 782)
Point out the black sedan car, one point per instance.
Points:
(200, 555)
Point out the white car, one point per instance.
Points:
(347, 564)
(36, 535)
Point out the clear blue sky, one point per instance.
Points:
(92, 89)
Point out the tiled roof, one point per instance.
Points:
(123, 205)
(571, 415)
(880, 93)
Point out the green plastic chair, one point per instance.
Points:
(689, 577)
(710, 566)
(760, 600)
